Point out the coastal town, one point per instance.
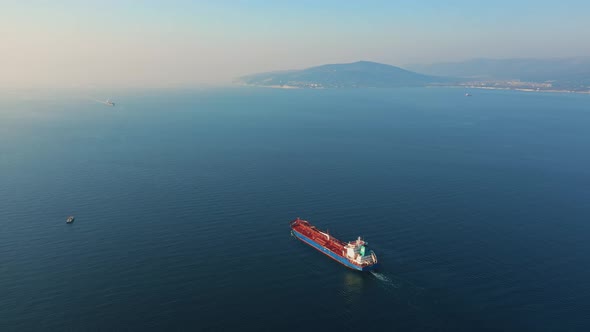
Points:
(548, 86)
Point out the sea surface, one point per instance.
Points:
(477, 207)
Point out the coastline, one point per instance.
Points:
(270, 86)
(434, 86)
(516, 89)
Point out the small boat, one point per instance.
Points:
(70, 219)
(468, 94)
(110, 103)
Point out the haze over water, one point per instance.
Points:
(477, 208)
(121, 44)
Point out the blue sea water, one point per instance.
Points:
(478, 208)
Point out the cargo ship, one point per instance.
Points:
(353, 254)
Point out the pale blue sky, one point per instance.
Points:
(184, 43)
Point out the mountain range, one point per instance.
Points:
(537, 70)
(357, 74)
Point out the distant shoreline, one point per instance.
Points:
(427, 86)
(512, 89)
(270, 86)
(278, 86)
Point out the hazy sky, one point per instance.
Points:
(184, 43)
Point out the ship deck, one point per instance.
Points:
(323, 239)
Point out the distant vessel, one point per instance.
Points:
(70, 219)
(467, 94)
(353, 254)
(109, 102)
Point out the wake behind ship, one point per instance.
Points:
(352, 254)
